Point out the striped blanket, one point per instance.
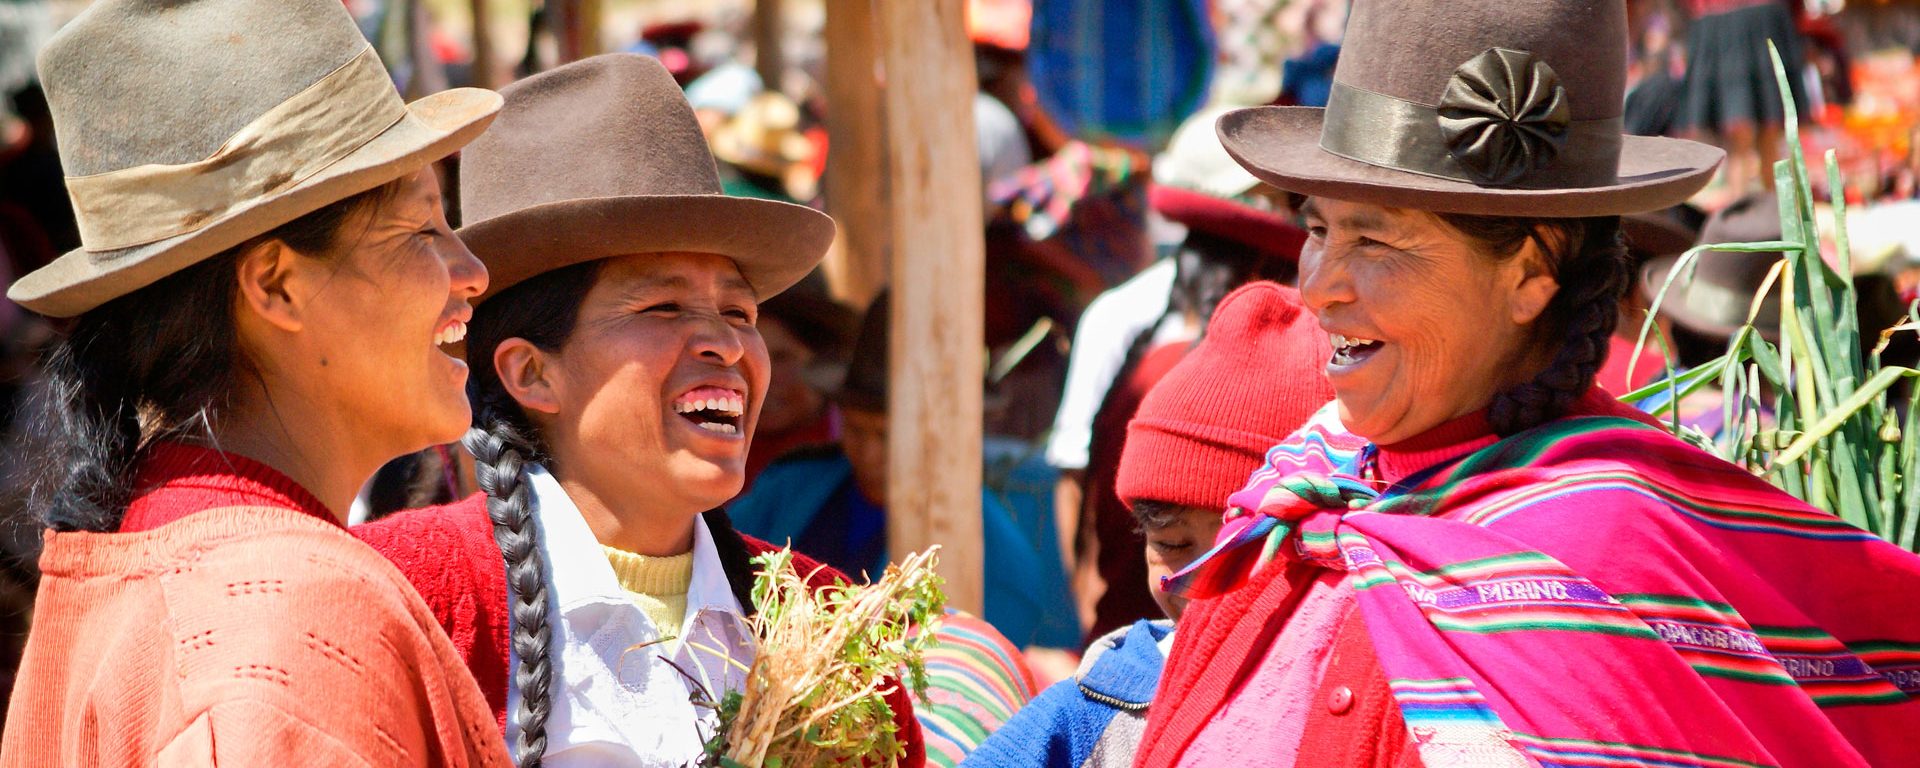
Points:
(1594, 592)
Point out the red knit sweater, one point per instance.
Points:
(176, 479)
(449, 554)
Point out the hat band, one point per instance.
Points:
(284, 146)
(1389, 132)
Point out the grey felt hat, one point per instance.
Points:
(1491, 107)
(187, 127)
(602, 157)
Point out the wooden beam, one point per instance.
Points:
(856, 182)
(768, 57)
(483, 66)
(933, 469)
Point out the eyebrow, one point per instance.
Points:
(679, 282)
(1366, 220)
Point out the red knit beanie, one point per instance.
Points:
(1255, 379)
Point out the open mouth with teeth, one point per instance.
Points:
(713, 409)
(1350, 350)
(453, 333)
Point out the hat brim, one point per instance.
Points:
(774, 244)
(1281, 146)
(1653, 235)
(1653, 275)
(434, 127)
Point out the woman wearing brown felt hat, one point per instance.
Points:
(258, 313)
(1473, 556)
(595, 588)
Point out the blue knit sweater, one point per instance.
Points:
(1062, 727)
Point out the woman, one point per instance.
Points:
(1473, 557)
(618, 378)
(259, 313)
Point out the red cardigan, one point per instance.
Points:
(1354, 722)
(449, 554)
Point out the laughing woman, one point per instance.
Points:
(265, 276)
(1475, 557)
(618, 376)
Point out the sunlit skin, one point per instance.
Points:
(653, 328)
(349, 374)
(1455, 325)
(1174, 546)
(863, 435)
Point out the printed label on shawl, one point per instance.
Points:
(1565, 592)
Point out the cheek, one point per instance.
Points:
(613, 388)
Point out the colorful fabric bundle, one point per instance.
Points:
(1121, 70)
(976, 680)
(1594, 592)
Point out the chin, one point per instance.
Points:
(713, 485)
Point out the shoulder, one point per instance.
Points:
(807, 458)
(820, 574)
(260, 618)
(442, 548)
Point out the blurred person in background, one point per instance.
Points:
(806, 331)
(1135, 334)
(1731, 95)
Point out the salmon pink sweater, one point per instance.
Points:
(241, 629)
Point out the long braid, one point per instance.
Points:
(543, 311)
(500, 457)
(1590, 260)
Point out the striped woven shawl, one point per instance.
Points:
(1594, 592)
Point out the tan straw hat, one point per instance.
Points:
(187, 127)
(1493, 107)
(603, 157)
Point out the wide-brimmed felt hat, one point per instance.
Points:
(602, 157)
(188, 127)
(1715, 299)
(764, 137)
(1491, 107)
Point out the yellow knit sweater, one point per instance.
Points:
(657, 584)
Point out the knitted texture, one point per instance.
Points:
(176, 480)
(1264, 231)
(1252, 381)
(219, 639)
(657, 584)
(449, 555)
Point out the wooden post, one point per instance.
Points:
(856, 189)
(483, 72)
(768, 58)
(939, 257)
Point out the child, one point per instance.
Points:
(1199, 433)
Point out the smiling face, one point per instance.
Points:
(1425, 327)
(655, 394)
(380, 311)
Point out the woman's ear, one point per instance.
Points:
(527, 373)
(265, 273)
(1537, 285)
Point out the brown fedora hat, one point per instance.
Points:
(603, 157)
(1492, 107)
(1714, 300)
(187, 127)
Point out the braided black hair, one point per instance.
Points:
(1588, 257)
(158, 363)
(543, 311)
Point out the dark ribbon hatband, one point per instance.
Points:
(1503, 122)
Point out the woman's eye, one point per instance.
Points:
(1317, 233)
(740, 314)
(667, 307)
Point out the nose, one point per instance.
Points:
(1324, 282)
(715, 340)
(466, 274)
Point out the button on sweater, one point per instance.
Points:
(217, 638)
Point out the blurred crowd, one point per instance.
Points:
(1116, 224)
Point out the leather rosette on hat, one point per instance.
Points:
(1504, 115)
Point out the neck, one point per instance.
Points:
(326, 455)
(632, 523)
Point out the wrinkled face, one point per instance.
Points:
(863, 435)
(791, 401)
(396, 291)
(1187, 533)
(1424, 328)
(658, 389)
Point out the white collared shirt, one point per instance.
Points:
(616, 698)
